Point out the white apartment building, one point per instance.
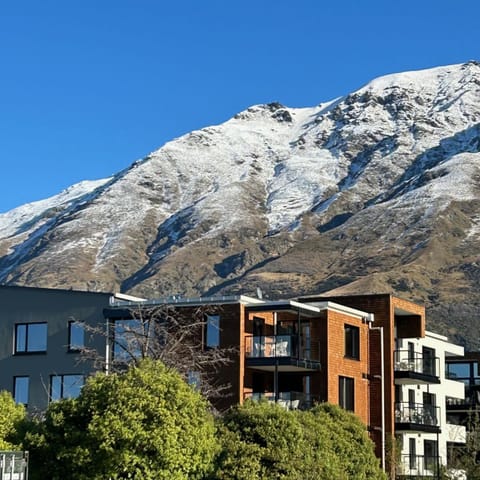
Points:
(421, 388)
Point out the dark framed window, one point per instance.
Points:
(430, 453)
(458, 370)
(346, 393)
(352, 342)
(412, 453)
(20, 389)
(76, 336)
(65, 386)
(212, 331)
(411, 351)
(30, 337)
(428, 361)
(129, 338)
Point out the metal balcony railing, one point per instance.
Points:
(418, 466)
(405, 361)
(417, 413)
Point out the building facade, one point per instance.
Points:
(422, 387)
(369, 354)
(42, 332)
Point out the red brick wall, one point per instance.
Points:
(339, 365)
(383, 307)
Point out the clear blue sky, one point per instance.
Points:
(89, 86)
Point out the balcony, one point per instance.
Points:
(416, 417)
(418, 466)
(284, 353)
(287, 400)
(470, 402)
(415, 368)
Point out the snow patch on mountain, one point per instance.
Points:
(21, 219)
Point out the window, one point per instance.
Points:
(20, 389)
(194, 379)
(30, 337)
(411, 398)
(65, 386)
(430, 450)
(346, 395)
(129, 338)
(411, 352)
(212, 332)
(352, 342)
(428, 361)
(429, 411)
(76, 336)
(458, 370)
(412, 453)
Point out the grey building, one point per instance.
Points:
(41, 334)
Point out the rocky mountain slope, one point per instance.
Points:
(377, 191)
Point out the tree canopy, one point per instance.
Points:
(145, 423)
(11, 415)
(264, 441)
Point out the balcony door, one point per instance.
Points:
(428, 355)
(430, 453)
(429, 402)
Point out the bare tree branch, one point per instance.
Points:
(173, 335)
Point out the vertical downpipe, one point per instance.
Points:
(382, 379)
(107, 348)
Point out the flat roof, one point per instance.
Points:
(52, 289)
(253, 304)
(185, 301)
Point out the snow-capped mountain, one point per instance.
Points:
(374, 191)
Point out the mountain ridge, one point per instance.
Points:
(377, 190)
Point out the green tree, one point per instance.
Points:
(262, 441)
(347, 441)
(11, 416)
(145, 423)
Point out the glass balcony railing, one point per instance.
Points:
(270, 346)
(405, 361)
(288, 400)
(278, 346)
(417, 413)
(471, 400)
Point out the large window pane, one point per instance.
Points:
(213, 331)
(65, 386)
(21, 338)
(30, 337)
(56, 387)
(20, 389)
(72, 384)
(129, 338)
(76, 336)
(37, 337)
(346, 394)
(458, 370)
(352, 342)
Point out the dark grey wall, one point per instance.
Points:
(57, 308)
